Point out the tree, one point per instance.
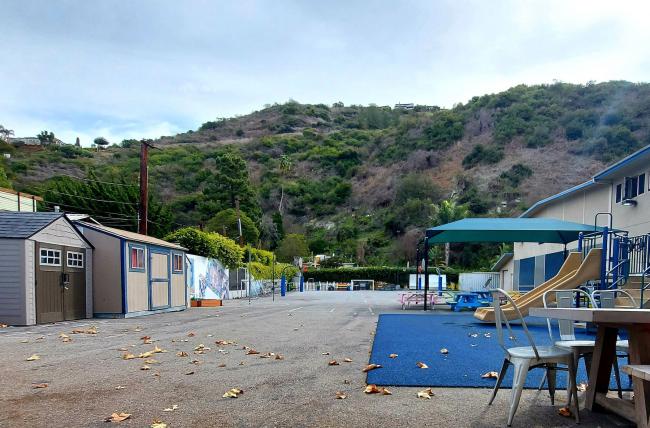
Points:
(101, 142)
(5, 133)
(77, 142)
(417, 186)
(229, 182)
(207, 244)
(4, 181)
(293, 245)
(46, 137)
(225, 223)
(285, 168)
(446, 212)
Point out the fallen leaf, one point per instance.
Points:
(201, 347)
(565, 411)
(371, 367)
(63, 336)
(221, 365)
(189, 373)
(39, 385)
(24, 341)
(346, 381)
(156, 374)
(89, 330)
(34, 357)
(151, 361)
(392, 356)
(182, 354)
(195, 362)
(241, 363)
(252, 352)
(147, 342)
(340, 395)
(146, 354)
(582, 387)
(224, 342)
(118, 417)
(171, 409)
(490, 375)
(157, 423)
(426, 393)
(233, 393)
(385, 391)
(3, 326)
(325, 353)
(279, 357)
(347, 360)
(488, 335)
(137, 329)
(123, 349)
(473, 335)
(145, 367)
(421, 365)
(127, 356)
(374, 389)
(145, 338)
(267, 355)
(157, 350)
(118, 387)
(191, 334)
(444, 351)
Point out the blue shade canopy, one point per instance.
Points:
(541, 230)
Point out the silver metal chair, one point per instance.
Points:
(525, 358)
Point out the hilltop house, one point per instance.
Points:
(617, 197)
(33, 141)
(11, 200)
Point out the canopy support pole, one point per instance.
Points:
(426, 271)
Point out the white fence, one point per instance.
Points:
(433, 281)
(476, 281)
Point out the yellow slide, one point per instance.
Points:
(573, 273)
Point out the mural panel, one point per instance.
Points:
(208, 278)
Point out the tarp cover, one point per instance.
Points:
(542, 230)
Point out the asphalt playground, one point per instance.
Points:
(88, 379)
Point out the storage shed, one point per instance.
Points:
(135, 274)
(45, 269)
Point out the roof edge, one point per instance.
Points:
(543, 202)
(621, 163)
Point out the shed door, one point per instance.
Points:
(49, 286)
(159, 279)
(60, 283)
(74, 279)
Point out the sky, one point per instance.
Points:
(143, 69)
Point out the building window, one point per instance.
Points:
(630, 188)
(641, 184)
(177, 263)
(137, 258)
(50, 257)
(75, 259)
(619, 192)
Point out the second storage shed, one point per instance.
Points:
(135, 274)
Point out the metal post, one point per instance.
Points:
(426, 271)
(439, 282)
(249, 274)
(616, 249)
(417, 267)
(604, 259)
(283, 285)
(302, 283)
(273, 276)
(581, 237)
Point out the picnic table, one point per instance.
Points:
(609, 321)
(416, 298)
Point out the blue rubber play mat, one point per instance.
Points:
(473, 349)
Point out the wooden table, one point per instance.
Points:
(609, 321)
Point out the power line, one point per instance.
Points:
(93, 199)
(80, 208)
(98, 181)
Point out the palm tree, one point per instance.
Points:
(5, 133)
(448, 211)
(285, 168)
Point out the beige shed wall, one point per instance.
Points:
(60, 233)
(178, 288)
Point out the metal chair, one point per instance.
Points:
(525, 358)
(580, 348)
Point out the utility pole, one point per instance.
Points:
(241, 237)
(143, 214)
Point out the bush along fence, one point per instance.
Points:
(391, 275)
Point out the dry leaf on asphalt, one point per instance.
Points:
(151, 361)
(333, 363)
(325, 353)
(189, 373)
(279, 357)
(127, 356)
(233, 393)
(392, 356)
(444, 351)
(374, 389)
(39, 385)
(34, 357)
(252, 352)
(171, 409)
(426, 393)
(24, 341)
(421, 365)
(89, 330)
(565, 411)
(221, 365)
(191, 334)
(118, 387)
(157, 350)
(340, 395)
(490, 375)
(224, 342)
(241, 363)
(182, 354)
(346, 382)
(195, 362)
(267, 355)
(145, 367)
(371, 367)
(156, 423)
(348, 360)
(3, 326)
(118, 417)
(582, 387)
(146, 354)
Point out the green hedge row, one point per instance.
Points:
(392, 275)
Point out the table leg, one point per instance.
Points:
(640, 354)
(601, 364)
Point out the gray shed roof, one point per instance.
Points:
(22, 225)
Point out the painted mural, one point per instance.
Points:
(208, 278)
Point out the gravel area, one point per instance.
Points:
(89, 380)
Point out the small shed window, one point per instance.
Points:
(177, 263)
(75, 259)
(50, 257)
(137, 258)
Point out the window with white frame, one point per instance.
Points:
(137, 258)
(631, 187)
(75, 259)
(177, 263)
(50, 257)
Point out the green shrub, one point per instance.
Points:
(483, 155)
(208, 244)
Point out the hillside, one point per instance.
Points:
(359, 181)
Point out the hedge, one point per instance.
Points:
(392, 275)
(262, 271)
(257, 255)
(208, 244)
